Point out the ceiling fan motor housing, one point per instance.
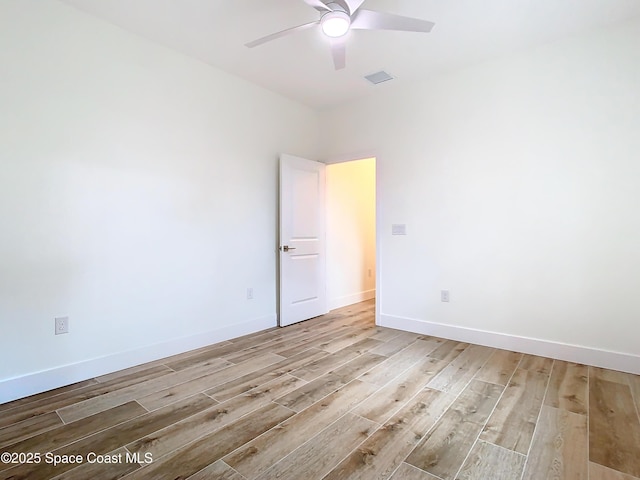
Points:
(335, 23)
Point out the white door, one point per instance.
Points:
(302, 240)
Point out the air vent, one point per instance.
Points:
(378, 77)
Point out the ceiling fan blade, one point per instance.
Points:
(317, 4)
(339, 52)
(273, 36)
(353, 5)
(370, 20)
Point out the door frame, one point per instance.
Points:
(332, 159)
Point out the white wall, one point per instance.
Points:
(518, 182)
(137, 196)
(351, 232)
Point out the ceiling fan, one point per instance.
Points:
(338, 17)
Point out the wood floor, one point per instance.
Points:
(333, 398)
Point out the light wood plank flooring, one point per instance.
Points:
(333, 398)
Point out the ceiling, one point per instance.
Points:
(300, 66)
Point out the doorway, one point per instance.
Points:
(351, 232)
(327, 237)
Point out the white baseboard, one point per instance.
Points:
(23, 386)
(624, 362)
(351, 299)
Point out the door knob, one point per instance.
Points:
(286, 248)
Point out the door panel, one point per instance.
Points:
(302, 240)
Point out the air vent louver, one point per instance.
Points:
(378, 77)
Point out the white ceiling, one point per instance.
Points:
(300, 66)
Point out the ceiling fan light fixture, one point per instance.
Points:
(335, 24)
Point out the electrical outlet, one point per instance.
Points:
(250, 293)
(62, 325)
(444, 296)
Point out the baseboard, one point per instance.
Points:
(23, 386)
(624, 362)
(351, 299)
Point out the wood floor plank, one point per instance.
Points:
(449, 350)
(568, 387)
(309, 393)
(488, 461)
(358, 366)
(108, 400)
(319, 367)
(171, 394)
(72, 432)
(513, 422)
(258, 337)
(351, 315)
(499, 367)
(393, 396)
(117, 467)
(47, 405)
(346, 340)
(258, 455)
(217, 471)
(48, 394)
(313, 391)
(398, 362)
(203, 423)
(130, 371)
(614, 428)
(396, 344)
(28, 428)
(294, 336)
(111, 439)
(444, 449)
(353, 310)
(634, 384)
(537, 364)
(455, 376)
(429, 338)
(193, 457)
(385, 334)
(317, 341)
(319, 455)
(608, 375)
(246, 382)
(409, 472)
(334, 360)
(384, 451)
(217, 351)
(298, 338)
(559, 448)
(598, 472)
